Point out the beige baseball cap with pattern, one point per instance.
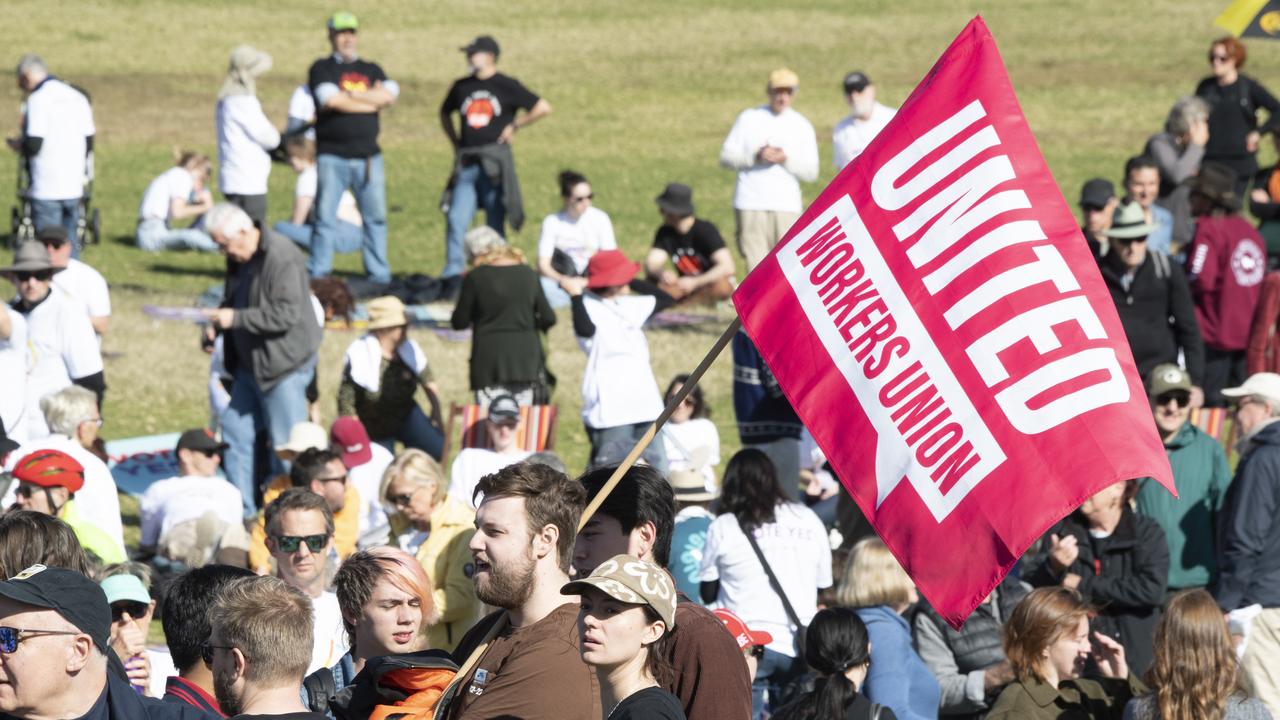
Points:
(629, 579)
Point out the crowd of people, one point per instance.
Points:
(308, 571)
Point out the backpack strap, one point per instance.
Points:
(320, 687)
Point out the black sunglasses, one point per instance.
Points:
(134, 609)
(1182, 398)
(207, 648)
(41, 275)
(757, 652)
(11, 636)
(290, 543)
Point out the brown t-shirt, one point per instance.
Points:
(529, 673)
(710, 671)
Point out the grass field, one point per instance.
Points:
(643, 92)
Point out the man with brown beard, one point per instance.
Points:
(525, 529)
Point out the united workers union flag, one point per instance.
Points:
(938, 323)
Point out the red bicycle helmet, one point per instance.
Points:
(50, 468)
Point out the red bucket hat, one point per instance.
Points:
(610, 268)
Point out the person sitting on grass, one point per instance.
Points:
(704, 269)
(619, 393)
(178, 193)
(349, 228)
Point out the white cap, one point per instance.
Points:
(1265, 385)
(303, 436)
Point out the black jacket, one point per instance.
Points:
(124, 703)
(1123, 576)
(1249, 561)
(1157, 313)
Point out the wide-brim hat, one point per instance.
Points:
(1129, 222)
(386, 312)
(303, 436)
(610, 268)
(31, 256)
(689, 486)
(676, 198)
(1218, 183)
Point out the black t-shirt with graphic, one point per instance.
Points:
(690, 252)
(486, 106)
(348, 135)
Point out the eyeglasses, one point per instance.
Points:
(291, 543)
(1181, 397)
(207, 648)
(1219, 58)
(11, 636)
(41, 275)
(26, 490)
(96, 421)
(133, 608)
(1129, 241)
(1246, 401)
(403, 499)
(583, 198)
(785, 90)
(341, 478)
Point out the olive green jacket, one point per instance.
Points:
(1078, 699)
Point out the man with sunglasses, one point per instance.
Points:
(1249, 535)
(55, 626)
(474, 463)
(196, 491)
(320, 471)
(1201, 473)
(1152, 298)
(299, 528)
(77, 278)
(63, 344)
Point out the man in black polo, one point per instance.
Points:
(349, 93)
(484, 172)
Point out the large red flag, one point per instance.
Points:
(938, 322)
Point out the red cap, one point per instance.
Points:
(50, 468)
(737, 627)
(610, 268)
(351, 441)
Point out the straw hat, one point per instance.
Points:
(386, 312)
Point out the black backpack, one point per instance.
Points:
(357, 700)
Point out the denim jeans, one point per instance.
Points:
(365, 178)
(556, 296)
(154, 236)
(58, 212)
(471, 190)
(348, 239)
(276, 410)
(416, 432)
(623, 438)
(772, 675)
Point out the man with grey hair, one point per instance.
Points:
(1249, 546)
(57, 137)
(73, 418)
(1178, 152)
(270, 339)
(259, 647)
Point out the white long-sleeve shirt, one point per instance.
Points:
(244, 137)
(770, 186)
(852, 135)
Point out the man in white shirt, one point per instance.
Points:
(57, 136)
(773, 148)
(865, 120)
(195, 491)
(63, 348)
(474, 463)
(13, 368)
(365, 462)
(76, 278)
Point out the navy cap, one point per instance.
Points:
(79, 600)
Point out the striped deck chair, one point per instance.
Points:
(1218, 424)
(535, 433)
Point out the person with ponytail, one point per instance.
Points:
(1196, 675)
(839, 652)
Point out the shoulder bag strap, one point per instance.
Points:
(773, 579)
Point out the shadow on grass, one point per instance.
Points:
(167, 269)
(126, 240)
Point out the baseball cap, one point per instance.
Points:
(737, 627)
(124, 587)
(351, 440)
(504, 409)
(201, 439)
(482, 43)
(1167, 377)
(343, 21)
(79, 600)
(1265, 385)
(50, 468)
(55, 234)
(856, 81)
(1097, 192)
(629, 579)
(303, 436)
(783, 78)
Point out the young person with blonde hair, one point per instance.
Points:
(178, 193)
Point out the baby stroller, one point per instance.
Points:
(22, 223)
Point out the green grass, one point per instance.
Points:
(643, 94)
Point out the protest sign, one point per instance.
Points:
(939, 324)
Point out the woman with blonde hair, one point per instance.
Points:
(502, 302)
(178, 193)
(1047, 641)
(1196, 675)
(437, 530)
(877, 587)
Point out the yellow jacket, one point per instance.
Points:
(92, 538)
(346, 525)
(445, 557)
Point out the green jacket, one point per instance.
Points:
(1078, 699)
(1201, 474)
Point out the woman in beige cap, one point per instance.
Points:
(625, 621)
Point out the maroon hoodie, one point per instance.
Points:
(1225, 266)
